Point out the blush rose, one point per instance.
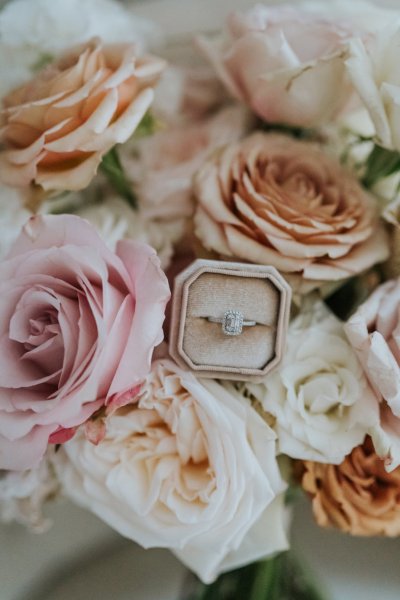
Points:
(78, 325)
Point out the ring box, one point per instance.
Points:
(211, 289)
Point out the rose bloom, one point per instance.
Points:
(162, 165)
(373, 68)
(190, 468)
(286, 63)
(373, 331)
(270, 199)
(357, 496)
(78, 325)
(57, 127)
(319, 396)
(23, 495)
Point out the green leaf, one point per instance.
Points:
(43, 60)
(380, 163)
(147, 126)
(112, 168)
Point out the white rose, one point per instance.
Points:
(23, 494)
(33, 31)
(319, 396)
(190, 468)
(115, 220)
(374, 70)
(12, 217)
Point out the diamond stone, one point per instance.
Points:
(232, 323)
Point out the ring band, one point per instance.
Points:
(232, 322)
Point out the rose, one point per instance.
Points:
(24, 493)
(54, 25)
(58, 126)
(274, 200)
(357, 496)
(373, 331)
(189, 467)
(320, 398)
(373, 68)
(163, 164)
(77, 326)
(31, 34)
(287, 64)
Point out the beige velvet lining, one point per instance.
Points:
(211, 294)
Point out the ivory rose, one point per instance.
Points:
(286, 63)
(357, 496)
(320, 399)
(270, 199)
(57, 127)
(373, 68)
(190, 468)
(373, 331)
(78, 325)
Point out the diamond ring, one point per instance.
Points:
(232, 322)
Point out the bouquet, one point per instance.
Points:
(254, 174)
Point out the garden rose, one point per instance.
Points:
(319, 396)
(286, 63)
(357, 496)
(190, 468)
(270, 199)
(162, 165)
(373, 68)
(24, 493)
(57, 127)
(78, 325)
(373, 331)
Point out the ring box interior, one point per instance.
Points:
(209, 288)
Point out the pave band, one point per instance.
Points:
(232, 322)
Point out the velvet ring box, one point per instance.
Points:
(209, 291)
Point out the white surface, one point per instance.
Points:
(80, 558)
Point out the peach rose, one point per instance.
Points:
(373, 331)
(57, 127)
(274, 200)
(286, 63)
(358, 496)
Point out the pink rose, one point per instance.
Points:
(270, 199)
(78, 325)
(286, 63)
(374, 332)
(163, 165)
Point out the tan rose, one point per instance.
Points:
(274, 200)
(358, 496)
(57, 127)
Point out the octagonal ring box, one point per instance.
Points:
(251, 304)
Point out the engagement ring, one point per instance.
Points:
(232, 322)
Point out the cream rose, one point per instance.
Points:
(373, 68)
(24, 493)
(373, 331)
(270, 199)
(57, 127)
(190, 468)
(319, 396)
